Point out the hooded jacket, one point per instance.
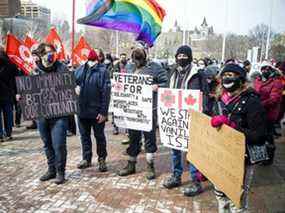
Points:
(95, 90)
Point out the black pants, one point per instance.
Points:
(18, 113)
(85, 126)
(149, 143)
(72, 124)
(270, 140)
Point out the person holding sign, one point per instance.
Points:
(240, 107)
(144, 67)
(94, 88)
(52, 131)
(184, 76)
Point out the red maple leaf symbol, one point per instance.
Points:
(190, 100)
(118, 87)
(167, 98)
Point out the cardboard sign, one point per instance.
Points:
(47, 96)
(173, 115)
(132, 100)
(218, 154)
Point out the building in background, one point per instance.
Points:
(10, 8)
(35, 11)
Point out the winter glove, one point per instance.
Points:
(219, 120)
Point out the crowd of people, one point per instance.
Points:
(250, 102)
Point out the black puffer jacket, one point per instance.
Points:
(8, 72)
(248, 114)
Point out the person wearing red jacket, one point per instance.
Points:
(269, 86)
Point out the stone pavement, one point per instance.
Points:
(22, 162)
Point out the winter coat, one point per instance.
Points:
(8, 72)
(95, 91)
(248, 114)
(159, 77)
(270, 92)
(191, 78)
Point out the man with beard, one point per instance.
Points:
(145, 67)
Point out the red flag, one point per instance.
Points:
(54, 39)
(20, 54)
(81, 51)
(31, 43)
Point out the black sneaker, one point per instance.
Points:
(9, 138)
(172, 182)
(48, 176)
(1, 139)
(102, 165)
(193, 189)
(84, 164)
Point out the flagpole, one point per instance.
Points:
(117, 43)
(73, 30)
(225, 33)
(269, 30)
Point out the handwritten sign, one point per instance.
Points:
(173, 115)
(219, 155)
(132, 101)
(47, 96)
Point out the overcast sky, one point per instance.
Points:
(242, 14)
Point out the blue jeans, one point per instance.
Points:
(53, 135)
(177, 166)
(7, 109)
(85, 126)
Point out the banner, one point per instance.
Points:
(173, 115)
(49, 95)
(20, 54)
(132, 101)
(54, 39)
(218, 154)
(81, 51)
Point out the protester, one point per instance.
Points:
(145, 67)
(52, 131)
(247, 66)
(8, 72)
(239, 107)
(94, 89)
(119, 67)
(270, 89)
(184, 76)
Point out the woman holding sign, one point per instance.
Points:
(240, 107)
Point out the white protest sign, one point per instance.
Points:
(173, 115)
(132, 100)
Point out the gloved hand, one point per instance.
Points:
(77, 90)
(219, 120)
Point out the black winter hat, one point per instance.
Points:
(235, 69)
(185, 49)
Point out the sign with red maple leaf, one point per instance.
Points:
(173, 115)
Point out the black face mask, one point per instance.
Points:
(124, 62)
(266, 74)
(183, 62)
(231, 84)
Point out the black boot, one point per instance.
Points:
(172, 182)
(150, 174)
(60, 178)
(102, 165)
(129, 169)
(84, 164)
(193, 190)
(50, 174)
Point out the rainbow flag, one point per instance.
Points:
(142, 17)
